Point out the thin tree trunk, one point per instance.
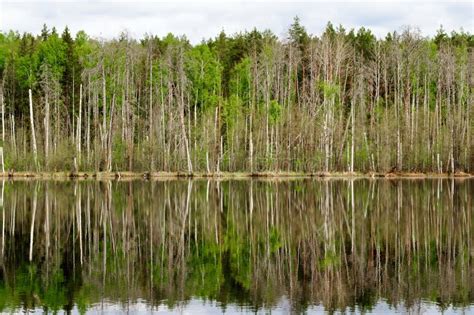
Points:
(46, 128)
(88, 131)
(150, 117)
(185, 137)
(181, 115)
(13, 133)
(352, 135)
(3, 117)
(110, 136)
(79, 127)
(251, 144)
(33, 135)
(104, 110)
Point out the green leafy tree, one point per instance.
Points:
(204, 73)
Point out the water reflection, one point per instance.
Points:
(291, 246)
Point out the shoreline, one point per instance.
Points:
(227, 175)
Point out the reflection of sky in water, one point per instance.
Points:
(201, 307)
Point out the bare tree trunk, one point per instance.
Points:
(104, 111)
(46, 128)
(3, 160)
(56, 121)
(73, 129)
(216, 138)
(33, 136)
(79, 127)
(397, 109)
(88, 130)
(13, 133)
(110, 136)
(352, 135)
(3, 132)
(185, 137)
(181, 114)
(3, 116)
(251, 144)
(150, 117)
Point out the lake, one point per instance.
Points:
(238, 246)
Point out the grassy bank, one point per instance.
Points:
(238, 175)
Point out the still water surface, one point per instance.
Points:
(238, 246)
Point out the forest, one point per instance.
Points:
(340, 101)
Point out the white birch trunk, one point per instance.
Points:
(33, 135)
(79, 126)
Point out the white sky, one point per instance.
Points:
(205, 19)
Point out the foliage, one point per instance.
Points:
(241, 102)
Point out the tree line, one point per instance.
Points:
(341, 101)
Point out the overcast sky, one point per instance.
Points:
(204, 19)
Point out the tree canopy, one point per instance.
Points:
(343, 99)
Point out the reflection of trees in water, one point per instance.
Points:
(336, 242)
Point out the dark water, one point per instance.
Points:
(207, 247)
